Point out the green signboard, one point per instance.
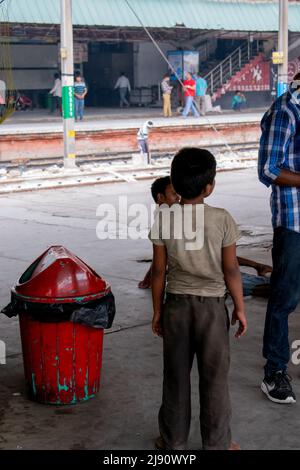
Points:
(68, 102)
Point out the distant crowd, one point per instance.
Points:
(196, 100)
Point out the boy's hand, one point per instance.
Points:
(157, 324)
(239, 315)
(263, 269)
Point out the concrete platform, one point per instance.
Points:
(124, 414)
(41, 122)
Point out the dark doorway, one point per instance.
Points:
(101, 72)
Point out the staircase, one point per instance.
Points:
(220, 75)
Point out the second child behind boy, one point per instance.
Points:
(194, 319)
(163, 193)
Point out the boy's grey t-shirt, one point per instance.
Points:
(199, 272)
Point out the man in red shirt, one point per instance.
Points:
(189, 94)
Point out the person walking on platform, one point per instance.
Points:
(167, 92)
(123, 85)
(189, 94)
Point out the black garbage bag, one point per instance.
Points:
(97, 313)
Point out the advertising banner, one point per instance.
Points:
(68, 102)
(182, 62)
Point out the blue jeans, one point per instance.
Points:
(250, 281)
(189, 105)
(123, 94)
(238, 106)
(284, 297)
(79, 107)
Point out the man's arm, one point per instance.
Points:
(288, 178)
(233, 282)
(85, 92)
(158, 281)
(53, 90)
(117, 84)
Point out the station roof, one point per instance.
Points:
(227, 15)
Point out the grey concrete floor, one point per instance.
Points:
(124, 414)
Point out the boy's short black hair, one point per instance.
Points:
(192, 169)
(159, 186)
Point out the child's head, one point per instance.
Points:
(163, 192)
(77, 77)
(193, 172)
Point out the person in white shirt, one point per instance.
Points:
(56, 93)
(123, 85)
(142, 137)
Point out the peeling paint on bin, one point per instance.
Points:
(33, 384)
(58, 370)
(62, 387)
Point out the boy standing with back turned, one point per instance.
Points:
(193, 320)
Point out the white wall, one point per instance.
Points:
(149, 66)
(31, 55)
(43, 59)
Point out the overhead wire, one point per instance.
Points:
(226, 145)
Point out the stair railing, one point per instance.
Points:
(234, 62)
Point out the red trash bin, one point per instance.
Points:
(62, 359)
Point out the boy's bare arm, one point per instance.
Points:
(262, 269)
(233, 282)
(158, 281)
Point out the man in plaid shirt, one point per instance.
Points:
(279, 167)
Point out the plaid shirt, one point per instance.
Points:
(280, 149)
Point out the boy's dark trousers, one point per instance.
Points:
(195, 325)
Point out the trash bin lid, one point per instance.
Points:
(58, 276)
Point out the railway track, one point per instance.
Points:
(101, 169)
(25, 163)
